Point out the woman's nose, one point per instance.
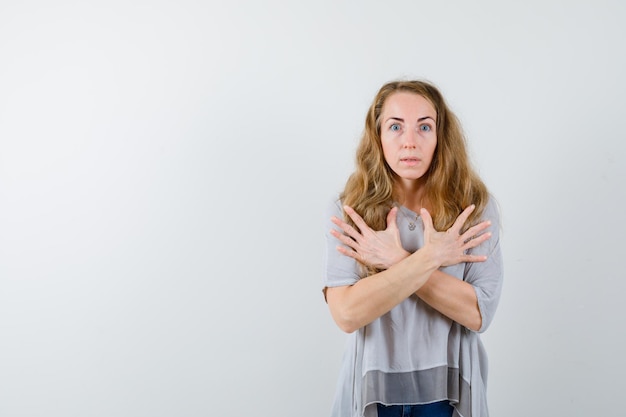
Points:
(410, 139)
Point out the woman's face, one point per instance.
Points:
(408, 135)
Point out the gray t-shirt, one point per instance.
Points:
(414, 354)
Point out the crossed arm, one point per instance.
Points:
(405, 274)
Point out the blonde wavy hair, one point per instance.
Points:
(451, 182)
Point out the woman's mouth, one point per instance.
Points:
(410, 161)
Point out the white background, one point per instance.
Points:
(164, 168)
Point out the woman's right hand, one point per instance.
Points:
(380, 249)
(450, 247)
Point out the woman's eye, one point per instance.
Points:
(425, 128)
(394, 127)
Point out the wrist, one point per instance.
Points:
(430, 258)
(400, 256)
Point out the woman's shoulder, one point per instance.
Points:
(492, 208)
(492, 211)
(334, 205)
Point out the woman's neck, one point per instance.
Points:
(412, 195)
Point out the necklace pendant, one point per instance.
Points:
(411, 221)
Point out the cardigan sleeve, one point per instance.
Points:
(486, 277)
(339, 270)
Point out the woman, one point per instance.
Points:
(413, 264)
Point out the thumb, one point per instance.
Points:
(427, 220)
(392, 217)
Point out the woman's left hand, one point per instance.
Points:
(379, 249)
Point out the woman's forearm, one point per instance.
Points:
(355, 306)
(453, 298)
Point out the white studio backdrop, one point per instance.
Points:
(164, 168)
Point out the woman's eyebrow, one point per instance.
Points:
(399, 119)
